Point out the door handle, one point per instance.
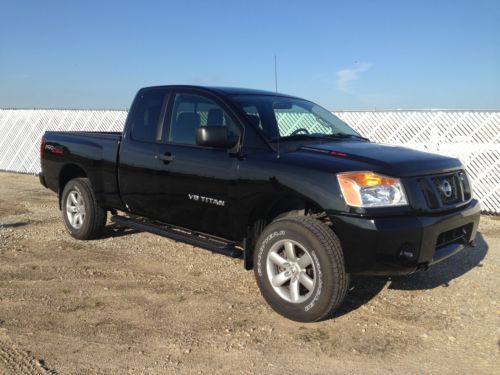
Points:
(166, 158)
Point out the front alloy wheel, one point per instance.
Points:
(291, 271)
(299, 267)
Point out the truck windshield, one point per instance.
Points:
(290, 118)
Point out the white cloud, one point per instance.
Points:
(345, 76)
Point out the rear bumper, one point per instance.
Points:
(41, 177)
(402, 245)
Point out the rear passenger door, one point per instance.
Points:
(138, 165)
(198, 182)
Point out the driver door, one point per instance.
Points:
(199, 183)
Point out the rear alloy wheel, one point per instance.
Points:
(83, 216)
(299, 267)
(75, 209)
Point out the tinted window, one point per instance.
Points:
(253, 115)
(192, 111)
(147, 116)
(283, 116)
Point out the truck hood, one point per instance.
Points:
(391, 160)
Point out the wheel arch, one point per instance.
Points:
(68, 173)
(269, 209)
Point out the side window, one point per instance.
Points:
(147, 116)
(253, 115)
(192, 111)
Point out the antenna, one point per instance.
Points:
(275, 73)
(276, 88)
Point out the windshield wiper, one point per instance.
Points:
(295, 137)
(346, 135)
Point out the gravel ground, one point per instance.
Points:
(138, 303)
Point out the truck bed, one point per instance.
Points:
(95, 134)
(95, 153)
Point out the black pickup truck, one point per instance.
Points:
(279, 181)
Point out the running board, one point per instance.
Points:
(190, 238)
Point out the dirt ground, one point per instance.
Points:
(138, 303)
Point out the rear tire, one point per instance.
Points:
(83, 217)
(299, 267)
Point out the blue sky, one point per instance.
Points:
(341, 54)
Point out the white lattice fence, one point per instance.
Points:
(22, 129)
(472, 136)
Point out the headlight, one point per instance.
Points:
(368, 189)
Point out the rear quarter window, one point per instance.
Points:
(147, 116)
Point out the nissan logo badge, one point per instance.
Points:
(446, 188)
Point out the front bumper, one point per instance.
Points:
(402, 245)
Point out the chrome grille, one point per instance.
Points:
(445, 190)
(448, 188)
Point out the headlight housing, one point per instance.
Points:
(369, 189)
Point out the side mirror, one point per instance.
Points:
(214, 136)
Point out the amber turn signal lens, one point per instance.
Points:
(369, 189)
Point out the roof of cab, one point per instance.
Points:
(228, 91)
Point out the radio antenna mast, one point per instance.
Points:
(276, 89)
(275, 73)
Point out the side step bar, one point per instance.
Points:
(190, 238)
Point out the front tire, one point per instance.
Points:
(299, 267)
(83, 217)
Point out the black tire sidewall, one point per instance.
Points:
(319, 301)
(84, 231)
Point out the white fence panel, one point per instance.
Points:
(22, 129)
(472, 136)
